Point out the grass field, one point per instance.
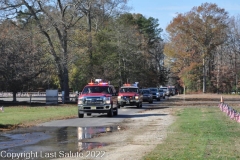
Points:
(26, 116)
(199, 133)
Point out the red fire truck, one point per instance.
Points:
(98, 97)
(129, 95)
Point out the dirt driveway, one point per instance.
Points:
(138, 136)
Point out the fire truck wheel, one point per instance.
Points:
(110, 112)
(118, 106)
(116, 112)
(80, 115)
(139, 105)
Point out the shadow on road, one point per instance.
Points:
(129, 115)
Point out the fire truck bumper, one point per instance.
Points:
(128, 102)
(94, 109)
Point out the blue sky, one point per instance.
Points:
(165, 10)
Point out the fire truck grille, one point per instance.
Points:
(94, 100)
(127, 97)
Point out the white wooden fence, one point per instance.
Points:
(35, 96)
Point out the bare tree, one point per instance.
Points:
(21, 61)
(54, 20)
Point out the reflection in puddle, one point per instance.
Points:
(90, 132)
(49, 142)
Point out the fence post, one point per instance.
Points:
(30, 98)
(63, 97)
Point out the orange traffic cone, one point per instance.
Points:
(222, 100)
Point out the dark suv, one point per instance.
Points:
(147, 95)
(155, 93)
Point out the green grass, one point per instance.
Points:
(200, 133)
(25, 115)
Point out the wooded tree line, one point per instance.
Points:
(66, 43)
(203, 49)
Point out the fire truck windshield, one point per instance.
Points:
(122, 90)
(97, 89)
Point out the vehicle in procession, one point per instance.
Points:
(147, 95)
(129, 95)
(156, 94)
(162, 93)
(98, 97)
(166, 90)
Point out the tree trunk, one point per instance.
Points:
(65, 77)
(89, 30)
(204, 76)
(14, 96)
(65, 84)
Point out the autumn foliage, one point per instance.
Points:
(193, 47)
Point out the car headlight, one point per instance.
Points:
(107, 100)
(157, 93)
(119, 97)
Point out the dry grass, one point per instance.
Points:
(201, 130)
(209, 96)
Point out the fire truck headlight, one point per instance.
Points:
(136, 97)
(80, 101)
(107, 100)
(119, 97)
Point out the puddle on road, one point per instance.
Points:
(49, 142)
